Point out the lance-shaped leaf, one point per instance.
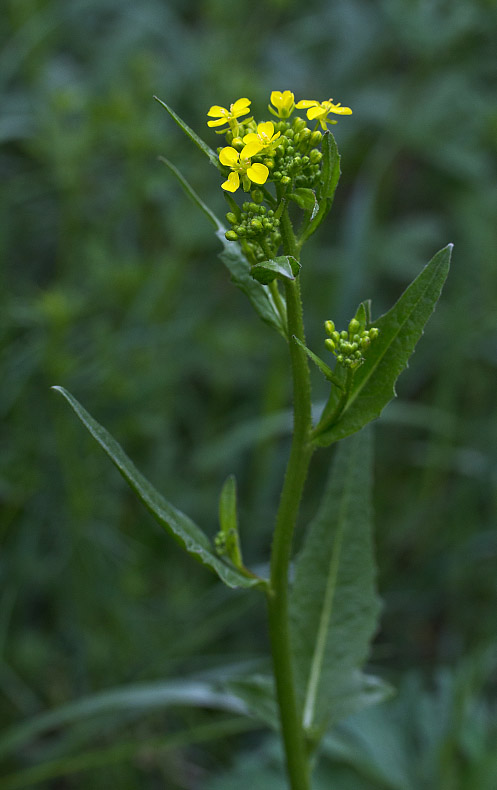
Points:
(180, 526)
(234, 260)
(334, 606)
(330, 175)
(373, 385)
(285, 267)
(259, 295)
(323, 367)
(210, 154)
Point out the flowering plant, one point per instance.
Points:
(322, 616)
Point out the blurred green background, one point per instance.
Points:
(111, 287)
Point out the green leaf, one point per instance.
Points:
(330, 175)
(323, 367)
(285, 267)
(180, 526)
(210, 154)
(189, 190)
(373, 385)
(259, 296)
(305, 199)
(334, 606)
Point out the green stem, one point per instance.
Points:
(298, 766)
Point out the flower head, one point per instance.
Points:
(319, 111)
(229, 117)
(284, 103)
(242, 167)
(265, 135)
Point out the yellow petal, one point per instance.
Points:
(228, 156)
(251, 138)
(305, 103)
(219, 122)
(339, 110)
(258, 173)
(232, 184)
(316, 112)
(277, 98)
(216, 111)
(266, 129)
(240, 107)
(251, 149)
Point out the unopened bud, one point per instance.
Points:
(316, 137)
(232, 219)
(329, 344)
(354, 326)
(231, 235)
(329, 327)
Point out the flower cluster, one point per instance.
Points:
(349, 347)
(285, 152)
(279, 152)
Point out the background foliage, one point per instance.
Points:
(111, 287)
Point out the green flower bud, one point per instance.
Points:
(329, 344)
(315, 156)
(329, 327)
(299, 124)
(374, 332)
(316, 138)
(344, 335)
(354, 326)
(256, 225)
(285, 180)
(257, 196)
(230, 235)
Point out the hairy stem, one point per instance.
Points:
(300, 455)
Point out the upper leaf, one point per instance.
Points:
(285, 267)
(180, 526)
(330, 175)
(210, 154)
(259, 296)
(373, 384)
(334, 606)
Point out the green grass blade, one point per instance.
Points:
(400, 329)
(124, 752)
(180, 526)
(141, 698)
(334, 606)
(210, 154)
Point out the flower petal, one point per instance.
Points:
(258, 173)
(240, 107)
(251, 149)
(232, 184)
(251, 138)
(316, 112)
(305, 103)
(339, 110)
(216, 111)
(266, 129)
(228, 156)
(219, 122)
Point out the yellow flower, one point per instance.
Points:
(319, 111)
(224, 116)
(265, 135)
(284, 103)
(242, 167)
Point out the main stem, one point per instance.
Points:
(297, 760)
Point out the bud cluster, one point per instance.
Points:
(349, 346)
(253, 220)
